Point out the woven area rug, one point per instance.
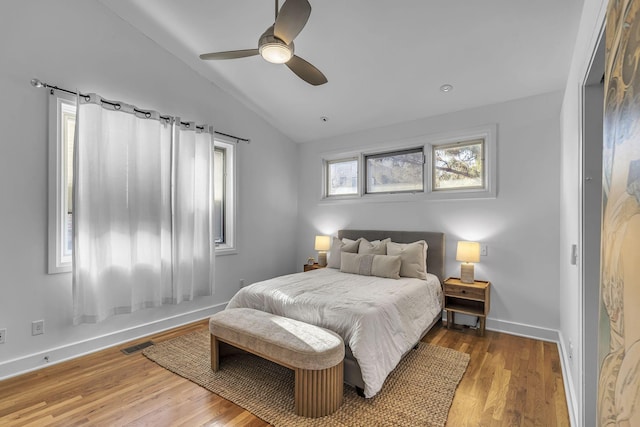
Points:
(418, 392)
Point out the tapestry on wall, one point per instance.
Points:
(619, 334)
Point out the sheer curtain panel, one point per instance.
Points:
(193, 248)
(127, 198)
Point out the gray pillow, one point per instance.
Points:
(371, 265)
(414, 258)
(338, 246)
(377, 247)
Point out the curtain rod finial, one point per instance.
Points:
(37, 83)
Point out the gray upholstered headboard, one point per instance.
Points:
(435, 241)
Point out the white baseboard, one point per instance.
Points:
(567, 378)
(523, 330)
(32, 362)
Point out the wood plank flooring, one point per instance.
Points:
(510, 381)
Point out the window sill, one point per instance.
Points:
(411, 197)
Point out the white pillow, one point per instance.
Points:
(371, 265)
(338, 246)
(377, 247)
(413, 256)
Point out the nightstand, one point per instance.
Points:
(315, 266)
(468, 298)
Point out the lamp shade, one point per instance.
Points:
(468, 252)
(323, 243)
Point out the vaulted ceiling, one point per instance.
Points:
(385, 60)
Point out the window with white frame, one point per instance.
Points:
(459, 165)
(395, 171)
(463, 164)
(224, 195)
(453, 165)
(341, 177)
(62, 121)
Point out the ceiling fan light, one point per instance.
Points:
(276, 53)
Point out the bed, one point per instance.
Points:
(379, 319)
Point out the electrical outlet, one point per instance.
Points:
(570, 352)
(37, 327)
(3, 335)
(484, 250)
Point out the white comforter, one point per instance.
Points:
(379, 319)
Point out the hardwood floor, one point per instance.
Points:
(510, 381)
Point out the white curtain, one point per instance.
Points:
(141, 210)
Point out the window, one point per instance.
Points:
(224, 196)
(454, 165)
(218, 191)
(463, 164)
(342, 177)
(395, 172)
(62, 122)
(459, 165)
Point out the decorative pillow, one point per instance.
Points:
(338, 246)
(413, 256)
(376, 247)
(371, 265)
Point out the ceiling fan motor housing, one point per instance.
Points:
(273, 49)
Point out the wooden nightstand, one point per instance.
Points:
(315, 266)
(468, 298)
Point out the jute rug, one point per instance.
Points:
(418, 392)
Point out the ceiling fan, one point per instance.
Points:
(276, 44)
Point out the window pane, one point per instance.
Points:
(342, 177)
(219, 194)
(458, 166)
(68, 127)
(400, 171)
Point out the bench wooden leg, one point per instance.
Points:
(319, 393)
(215, 354)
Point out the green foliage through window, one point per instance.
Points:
(459, 165)
(395, 172)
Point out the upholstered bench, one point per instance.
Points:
(315, 354)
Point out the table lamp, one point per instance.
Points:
(323, 243)
(468, 253)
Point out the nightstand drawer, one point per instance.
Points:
(464, 292)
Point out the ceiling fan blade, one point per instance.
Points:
(306, 71)
(292, 18)
(231, 54)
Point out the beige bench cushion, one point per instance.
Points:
(294, 343)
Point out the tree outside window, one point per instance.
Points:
(459, 166)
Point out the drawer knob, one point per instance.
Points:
(464, 291)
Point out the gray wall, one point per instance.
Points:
(82, 44)
(520, 226)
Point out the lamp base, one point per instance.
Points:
(466, 272)
(322, 259)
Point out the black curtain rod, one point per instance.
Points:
(38, 83)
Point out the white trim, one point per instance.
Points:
(577, 392)
(523, 330)
(56, 261)
(230, 236)
(489, 133)
(35, 361)
(325, 177)
(567, 378)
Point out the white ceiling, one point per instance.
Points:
(385, 60)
